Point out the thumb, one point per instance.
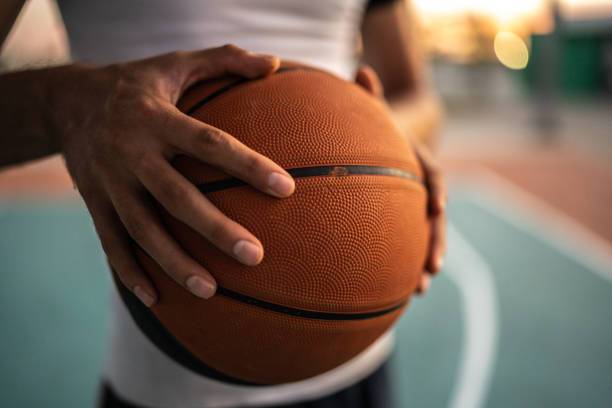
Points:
(226, 60)
(366, 77)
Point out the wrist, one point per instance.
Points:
(28, 113)
(60, 97)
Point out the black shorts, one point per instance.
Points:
(373, 391)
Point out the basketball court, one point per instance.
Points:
(519, 316)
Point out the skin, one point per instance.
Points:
(118, 129)
(9, 10)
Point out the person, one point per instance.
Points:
(115, 122)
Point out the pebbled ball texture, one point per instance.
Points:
(342, 244)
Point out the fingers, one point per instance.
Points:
(423, 284)
(437, 248)
(368, 79)
(103, 156)
(145, 228)
(214, 146)
(225, 60)
(116, 244)
(434, 180)
(185, 202)
(231, 59)
(435, 257)
(437, 244)
(436, 189)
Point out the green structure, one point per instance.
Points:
(580, 62)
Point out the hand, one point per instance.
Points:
(434, 182)
(118, 129)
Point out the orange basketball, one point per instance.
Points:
(343, 254)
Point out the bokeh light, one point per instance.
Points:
(501, 10)
(511, 50)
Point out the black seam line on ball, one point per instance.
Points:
(159, 335)
(227, 87)
(319, 171)
(306, 314)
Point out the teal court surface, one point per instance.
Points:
(521, 315)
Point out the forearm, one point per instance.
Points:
(9, 10)
(24, 116)
(419, 115)
(392, 47)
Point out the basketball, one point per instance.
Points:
(343, 254)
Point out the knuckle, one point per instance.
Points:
(145, 105)
(144, 161)
(137, 228)
(210, 139)
(232, 49)
(137, 157)
(253, 164)
(218, 232)
(140, 161)
(179, 54)
(125, 95)
(118, 144)
(172, 193)
(121, 87)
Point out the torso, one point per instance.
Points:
(321, 33)
(316, 32)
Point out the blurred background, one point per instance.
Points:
(521, 315)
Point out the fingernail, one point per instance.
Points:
(143, 296)
(200, 287)
(439, 263)
(442, 204)
(247, 252)
(280, 184)
(424, 284)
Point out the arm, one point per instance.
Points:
(118, 129)
(24, 135)
(9, 10)
(24, 117)
(391, 48)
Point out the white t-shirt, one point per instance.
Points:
(321, 33)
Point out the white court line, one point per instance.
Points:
(548, 224)
(473, 278)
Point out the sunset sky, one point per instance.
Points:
(466, 30)
(509, 10)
